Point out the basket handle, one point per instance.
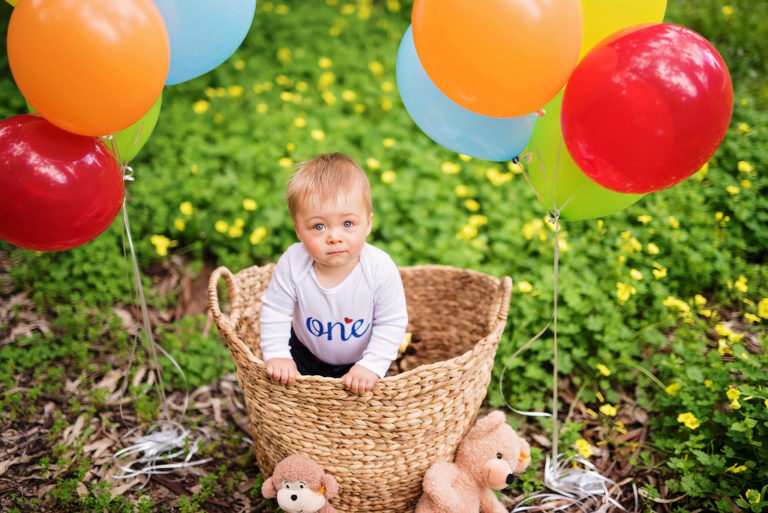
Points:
(224, 322)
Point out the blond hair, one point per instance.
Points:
(327, 176)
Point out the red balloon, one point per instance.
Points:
(58, 190)
(646, 108)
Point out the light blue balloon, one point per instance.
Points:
(450, 124)
(203, 33)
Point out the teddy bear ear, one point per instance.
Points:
(489, 422)
(331, 486)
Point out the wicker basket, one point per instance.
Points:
(378, 446)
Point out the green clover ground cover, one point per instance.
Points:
(666, 301)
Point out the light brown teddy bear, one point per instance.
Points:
(301, 486)
(485, 459)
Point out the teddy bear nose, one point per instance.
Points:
(510, 478)
(295, 497)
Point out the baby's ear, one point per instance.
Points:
(331, 486)
(268, 489)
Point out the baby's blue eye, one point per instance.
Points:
(318, 227)
(348, 224)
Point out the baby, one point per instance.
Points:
(335, 306)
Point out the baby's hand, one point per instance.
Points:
(282, 370)
(359, 379)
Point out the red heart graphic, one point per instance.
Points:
(347, 320)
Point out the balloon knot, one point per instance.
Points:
(540, 113)
(128, 174)
(553, 215)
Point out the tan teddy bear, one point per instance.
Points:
(485, 459)
(301, 486)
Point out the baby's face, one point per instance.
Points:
(334, 232)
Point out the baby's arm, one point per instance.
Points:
(282, 370)
(390, 319)
(359, 379)
(277, 307)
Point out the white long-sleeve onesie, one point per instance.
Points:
(361, 320)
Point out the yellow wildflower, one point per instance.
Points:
(347, 9)
(282, 9)
(290, 147)
(372, 163)
(324, 63)
(745, 167)
(221, 226)
(467, 232)
(727, 11)
(300, 122)
(221, 92)
(645, 219)
(284, 55)
(376, 68)
(161, 243)
(752, 496)
(249, 204)
(393, 5)
(235, 91)
(287, 96)
(689, 420)
(285, 162)
(334, 31)
(478, 220)
(524, 286)
(210, 92)
(699, 300)
(179, 224)
(193, 169)
(386, 104)
(741, 284)
(449, 168)
(326, 79)
(302, 86)
(602, 369)
(584, 449)
(534, 227)
(752, 318)
(257, 235)
(262, 108)
(652, 248)
(201, 107)
(636, 275)
(744, 128)
(348, 95)
(318, 135)
(659, 271)
(388, 176)
(624, 292)
(359, 108)
(235, 231)
(723, 348)
(732, 190)
(186, 208)
(747, 184)
(462, 191)
(673, 222)
(732, 393)
(471, 205)
(735, 469)
(388, 142)
(674, 388)
(762, 308)
(515, 167)
(735, 405)
(329, 98)
(609, 410)
(708, 383)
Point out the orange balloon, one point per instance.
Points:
(91, 67)
(498, 58)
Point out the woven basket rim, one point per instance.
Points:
(498, 325)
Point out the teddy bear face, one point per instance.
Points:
(493, 453)
(298, 497)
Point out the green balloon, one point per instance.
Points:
(130, 140)
(552, 171)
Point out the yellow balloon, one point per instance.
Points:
(602, 18)
(12, 2)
